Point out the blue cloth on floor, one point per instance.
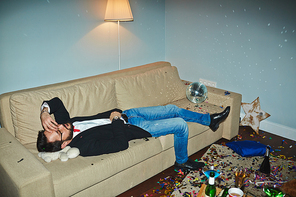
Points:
(248, 148)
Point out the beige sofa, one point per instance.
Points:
(23, 173)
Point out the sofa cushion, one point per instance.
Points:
(151, 88)
(83, 172)
(204, 107)
(80, 100)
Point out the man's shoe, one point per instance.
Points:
(190, 165)
(216, 119)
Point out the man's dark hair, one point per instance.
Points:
(44, 146)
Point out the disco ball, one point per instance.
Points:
(196, 92)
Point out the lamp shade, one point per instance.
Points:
(118, 10)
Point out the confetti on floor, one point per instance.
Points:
(225, 161)
(169, 186)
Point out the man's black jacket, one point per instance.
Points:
(98, 140)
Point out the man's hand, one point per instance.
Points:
(113, 114)
(47, 122)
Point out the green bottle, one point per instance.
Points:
(273, 192)
(225, 192)
(211, 188)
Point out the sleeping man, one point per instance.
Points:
(110, 131)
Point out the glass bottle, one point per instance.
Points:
(225, 192)
(265, 165)
(273, 192)
(211, 188)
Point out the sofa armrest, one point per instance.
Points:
(21, 173)
(225, 98)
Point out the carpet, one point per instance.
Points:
(225, 161)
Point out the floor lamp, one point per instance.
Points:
(116, 11)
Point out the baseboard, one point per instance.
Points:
(277, 129)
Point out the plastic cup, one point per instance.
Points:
(235, 192)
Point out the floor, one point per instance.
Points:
(154, 186)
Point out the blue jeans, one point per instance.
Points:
(169, 119)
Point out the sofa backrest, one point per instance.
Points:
(80, 100)
(155, 87)
(17, 108)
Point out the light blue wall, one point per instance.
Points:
(50, 41)
(246, 46)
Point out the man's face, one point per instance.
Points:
(61, 134)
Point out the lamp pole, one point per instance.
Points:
(118, 46)
(118, 10)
